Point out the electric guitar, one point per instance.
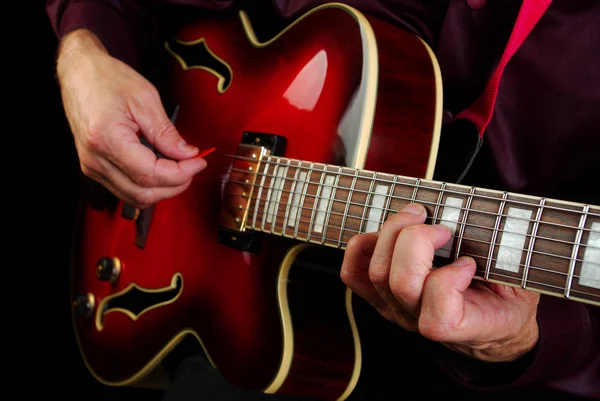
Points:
(322, 133)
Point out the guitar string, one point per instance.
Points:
(392, 211)
(417, 186)
(592, 295)
(440, 191)
(531, 267)
(261, 216)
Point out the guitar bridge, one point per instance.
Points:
(240, 187)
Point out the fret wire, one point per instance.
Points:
(290, 197)
(518, 202)
(386, 209)
(350, 192)
(439, 201)
(534, 231)
(302, 197)
(268, 198)
(280, 192)
(260, 188)
(367, 201)
(273, 190)
(466, 239)
(330, 206)
(414, 194)
(488, 266)
(458, 192)
(480, 226)
(464, 221)
(317, 197)
(576, 250)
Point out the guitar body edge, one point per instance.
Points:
(389, 122)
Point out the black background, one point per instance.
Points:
(40, 191)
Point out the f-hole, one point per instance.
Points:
(134, 300)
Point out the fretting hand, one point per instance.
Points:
(392, 270)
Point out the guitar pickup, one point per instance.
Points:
(239, 189)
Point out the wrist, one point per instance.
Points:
(501, 350)
(74, 47)
(515, 348)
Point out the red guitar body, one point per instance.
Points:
(341, 87)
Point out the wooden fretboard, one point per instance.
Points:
(545, 245)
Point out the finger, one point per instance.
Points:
(105, 182)
(412, 262)
(138, 196)
(381, 261)
(141, 165)
(446, 315)
(149, 113)
(355, 270)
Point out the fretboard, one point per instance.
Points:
(545, 245)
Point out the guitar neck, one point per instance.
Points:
(544, 245)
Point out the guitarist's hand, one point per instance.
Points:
(109, 105)
(392, 271)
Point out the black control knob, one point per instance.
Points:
(84, 305)
(108, 269)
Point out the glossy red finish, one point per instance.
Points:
(297, 87)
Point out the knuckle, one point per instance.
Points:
(352, 250)
(401, 291)
(144, 197)
(163, 130)
(145, 181)
(95, 136)
(345, 274)
(85, 169)
(415, 232)
(409, 323)
(393, 219)
(393, 223)
(150, 90)
(86, 166)
(378, 275)
(146, 177)
(407, 287)
(351, 245)
(433, 331)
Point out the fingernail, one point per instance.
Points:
(413, 208)
(462, 261)
(185, 147)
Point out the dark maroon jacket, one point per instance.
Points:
(544, 139)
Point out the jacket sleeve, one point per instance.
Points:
(566, 357)
(126, 28)
(120, 26)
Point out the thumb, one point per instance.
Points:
(162, 134)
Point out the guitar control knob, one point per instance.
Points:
(84, 305)
(108, 269)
